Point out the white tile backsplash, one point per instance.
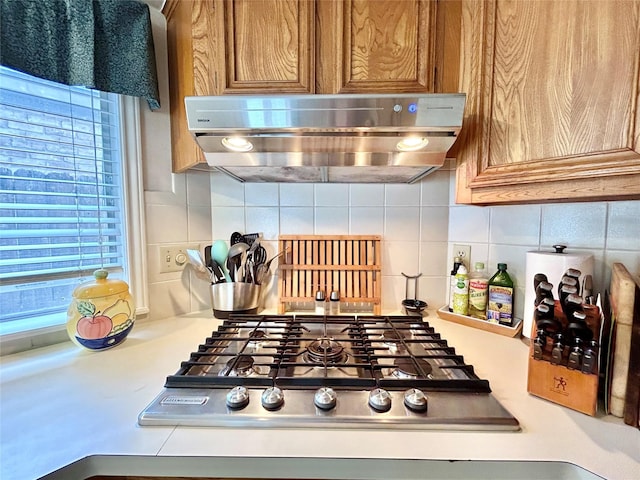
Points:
(226, 192)
(264, 220)
(434, 224)
(575, 225)
(261, 194)
(419, 225)
(469, 224)
(225, 221)
(199, 223)
(367, 195)
(297, 220)
(366, 220)
(623, 227)
(402, 195)
(331, 195)
(515, 225)
(296, 195)
(402, 223)
(331, 220)
(435, 188)
(166, 223)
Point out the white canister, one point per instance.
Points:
(553, 265)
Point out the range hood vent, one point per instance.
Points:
(386, 138)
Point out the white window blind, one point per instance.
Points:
(61, 194)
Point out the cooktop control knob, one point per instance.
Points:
(415, 400)
(238, 398)
(272, 398)
(380, 400)
(325, 398)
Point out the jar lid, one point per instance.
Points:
(100, 287)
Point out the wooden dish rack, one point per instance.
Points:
(350, 264)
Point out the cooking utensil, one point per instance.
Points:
(262, 270)
(413, 305)
(237, 256)
(236, 237)
(219, 252)
(217, 273)
(195, 260)
(207, 255)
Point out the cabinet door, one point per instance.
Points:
(375, 46)
(269, 46)
(552, 101)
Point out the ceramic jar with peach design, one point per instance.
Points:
(101, 314)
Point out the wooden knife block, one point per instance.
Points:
(562, 385)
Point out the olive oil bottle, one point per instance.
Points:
(500, 306)
(478, 291)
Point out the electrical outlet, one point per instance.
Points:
(464, 252)
(172, 258)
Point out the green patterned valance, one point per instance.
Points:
(101, 44)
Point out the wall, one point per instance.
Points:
(420, 223)
(177, 206)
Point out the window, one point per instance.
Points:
(62, 209)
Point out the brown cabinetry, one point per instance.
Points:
(296, 46)
(552, 101)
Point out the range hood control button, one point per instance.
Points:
(380, 400)
(415, 400)
(272, 398)
(238, 398)
(325, 398)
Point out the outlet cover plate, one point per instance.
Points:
(464, 252)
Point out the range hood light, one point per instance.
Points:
(411, 144)
(237, 144)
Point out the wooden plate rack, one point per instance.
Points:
(350, 264)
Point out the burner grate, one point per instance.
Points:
(310, 351)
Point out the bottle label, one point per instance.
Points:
(500, 305)
(461, 295)
(478, 294)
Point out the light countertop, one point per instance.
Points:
(61, 404)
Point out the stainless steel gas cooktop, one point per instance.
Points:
(335, 371)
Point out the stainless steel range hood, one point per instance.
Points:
(385, 138)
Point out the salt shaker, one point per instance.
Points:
(334, 303)
(320, 302)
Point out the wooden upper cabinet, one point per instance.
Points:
(376, 46)
(552, 101)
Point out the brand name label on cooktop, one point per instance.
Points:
(181, 400)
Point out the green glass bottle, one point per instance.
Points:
(500, 305)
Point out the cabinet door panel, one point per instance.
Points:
(269, 45)
(552, 105)
(376, 46)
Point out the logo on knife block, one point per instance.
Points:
(559, 385)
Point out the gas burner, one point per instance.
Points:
(392, 339)
(240, 366)
(325, 350)
(257, 335)
(257, 338)
(412, 368)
